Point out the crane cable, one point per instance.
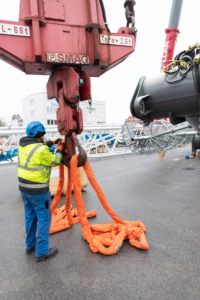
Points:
(104, 14)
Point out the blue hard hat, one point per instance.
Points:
(34, 128)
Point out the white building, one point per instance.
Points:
(14, 123)
(96, 114)
(38, 107)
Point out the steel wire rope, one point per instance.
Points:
(104, 14)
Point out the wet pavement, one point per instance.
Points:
(163, 195)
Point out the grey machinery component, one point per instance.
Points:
(159, 136)
(175, 13)
(195, 143)
(155, 98)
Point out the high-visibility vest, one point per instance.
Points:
(35, 162)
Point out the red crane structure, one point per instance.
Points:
(70, 41)
(172, 31)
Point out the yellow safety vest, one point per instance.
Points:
(34, 164)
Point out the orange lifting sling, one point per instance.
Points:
(104, 238)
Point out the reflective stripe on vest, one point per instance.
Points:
(26, 168)
(55, 160)
(31, 154)
(34, 186)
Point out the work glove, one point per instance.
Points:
(61, 145)
(56, 141)
(51, 143)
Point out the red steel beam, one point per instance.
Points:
(60, 28)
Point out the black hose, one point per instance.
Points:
(104, 14)
(177, 57)
(190, 60)
(168, 72)
(175, 81)
(190, 53)
(181, 71)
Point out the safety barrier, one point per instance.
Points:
(104, 238)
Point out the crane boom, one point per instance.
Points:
(172, 31)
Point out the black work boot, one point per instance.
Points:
(30, 251)
(52, 252)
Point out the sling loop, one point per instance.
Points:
(104, 238)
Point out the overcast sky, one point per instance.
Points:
(117, 86)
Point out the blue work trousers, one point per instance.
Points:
(37, 219)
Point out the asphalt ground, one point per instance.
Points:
(163, 195)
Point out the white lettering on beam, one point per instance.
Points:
(64, 58)
(165, 52)
(116, 40)
(10, 29)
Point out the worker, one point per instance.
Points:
(34, 170)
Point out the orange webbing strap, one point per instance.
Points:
(59, 189)
(68, 198)
(104, 238)
(65, 217)
(61, 222)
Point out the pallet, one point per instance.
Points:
(100, 149)
(53, 184)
